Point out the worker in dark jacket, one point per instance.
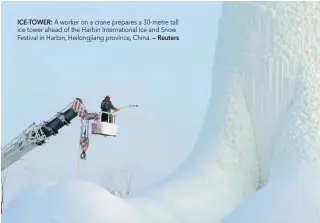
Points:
(106, 106)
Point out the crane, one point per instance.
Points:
(36, 135)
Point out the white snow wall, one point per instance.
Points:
(263, 120)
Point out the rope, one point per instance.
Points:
(78, 165)
(84, 142)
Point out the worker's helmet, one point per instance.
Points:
(107, 98)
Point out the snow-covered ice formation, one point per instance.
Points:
(261, 132)
(294, 200)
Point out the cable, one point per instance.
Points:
(78, 165)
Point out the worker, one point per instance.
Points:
(106, 106)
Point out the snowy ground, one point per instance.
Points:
(294, 200)
(261, 130)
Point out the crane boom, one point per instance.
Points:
(36, 135)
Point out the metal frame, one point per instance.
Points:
(31, 137)
(26, 135)
(113, 117)
(36, 134)
(98, 121)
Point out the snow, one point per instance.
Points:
(71, 201)
(293, 200)
(257, 158)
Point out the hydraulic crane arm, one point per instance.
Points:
(36, 135)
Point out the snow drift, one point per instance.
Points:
(73, 201)
(294, 200)
(261, 130)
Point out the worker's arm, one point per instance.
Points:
(113, 108)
